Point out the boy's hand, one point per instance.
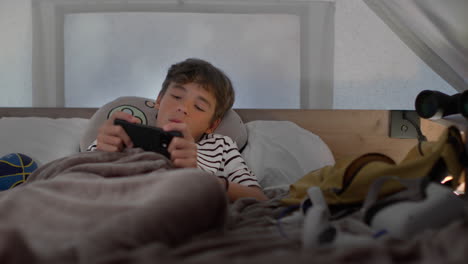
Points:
(183, 150)
(113, 138)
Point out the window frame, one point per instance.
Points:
(48, 17)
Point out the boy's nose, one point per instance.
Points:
(182, 108)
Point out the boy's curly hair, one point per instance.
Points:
(207, 76)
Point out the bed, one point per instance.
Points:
(67, 216)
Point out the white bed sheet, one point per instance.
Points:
(280, 152)
(43, 139)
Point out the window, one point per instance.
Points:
(286, 48)
(124, 54)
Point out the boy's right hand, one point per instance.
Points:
(113, 138)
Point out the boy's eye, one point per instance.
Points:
(176, 96)
(199, 108)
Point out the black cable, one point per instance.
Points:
(421, 137)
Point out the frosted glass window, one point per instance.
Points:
(15, 53)
(119, 54)
(374, 69)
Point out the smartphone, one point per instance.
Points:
(149, 138)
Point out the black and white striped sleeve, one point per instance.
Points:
(235, 167)
(220, 155)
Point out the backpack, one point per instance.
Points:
(347, 182)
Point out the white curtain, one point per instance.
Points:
(436, 30)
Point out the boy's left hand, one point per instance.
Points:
(183, 150)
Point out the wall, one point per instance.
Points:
(373, 69)
(316, 37)
(15, 53)
(128, 53)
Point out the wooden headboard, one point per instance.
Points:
(347, 132)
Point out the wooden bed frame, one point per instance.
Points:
(347, 132)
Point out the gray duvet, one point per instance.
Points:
(89, 206)
(132, 207)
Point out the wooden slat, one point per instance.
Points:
(368, 122)
(51, 112)
(346, 132)
(432, 129)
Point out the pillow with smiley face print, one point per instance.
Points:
(143, 109)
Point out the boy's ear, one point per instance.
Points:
(157, 103)
(213, 126)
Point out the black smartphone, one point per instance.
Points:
(149, 138)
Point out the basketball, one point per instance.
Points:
(15, 169)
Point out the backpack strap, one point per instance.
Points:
(414, 191)
(353, 169)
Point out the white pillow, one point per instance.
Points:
(280, 152)
(43, 139)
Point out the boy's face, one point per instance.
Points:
(187, 103)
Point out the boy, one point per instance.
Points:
(194, 98)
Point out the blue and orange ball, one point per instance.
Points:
(15, 168)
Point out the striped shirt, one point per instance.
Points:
(220, 156)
